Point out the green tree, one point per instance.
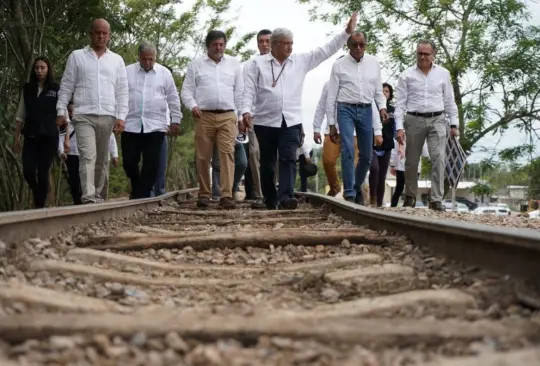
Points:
(492, 54)
(482, 190)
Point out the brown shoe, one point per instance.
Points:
(373, 201)
(227, 203)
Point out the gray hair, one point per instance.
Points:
(279, 33)
(356, 33)
(146, 46)
(429, 42)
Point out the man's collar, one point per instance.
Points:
(433, 65)
(271, 57)
(206, 57)
(354, 60)
(90, 49)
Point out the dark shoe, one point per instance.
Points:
(333, 193)
(436, 206)
(349, 199)
(227, 203)
(409, 202)
(258, 205)
(290, 204)
(359, 199)
(373, 201)
(203, 202)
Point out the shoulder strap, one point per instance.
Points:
(71, 134)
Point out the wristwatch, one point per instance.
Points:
(453, 126)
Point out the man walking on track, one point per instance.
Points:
(96, 79)
(152, 95)
(425, 92)
(212, 90)
(273, 85)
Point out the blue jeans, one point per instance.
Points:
(240, 166)
(349, 118)
(159, 184)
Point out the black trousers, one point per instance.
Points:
(248, 177)
(377, 175)
(72, 164)
(400, 185)
(302, 171)
(149, 146)
(37, 157)
(283, 140)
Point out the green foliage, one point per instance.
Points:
(492, 54)
(54, 28)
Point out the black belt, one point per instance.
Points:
(426, 115)
(217, 111)
(359, 105)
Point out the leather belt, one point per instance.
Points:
(426, 115)
(217, 111)
(359, 105)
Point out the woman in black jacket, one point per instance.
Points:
(382, 153)
(36, 120)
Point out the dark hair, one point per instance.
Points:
(389, 88)
(263, 32)
(428, 42)
(214, 35)
(49, 79)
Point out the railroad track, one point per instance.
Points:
(158, 282)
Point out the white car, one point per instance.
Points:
(534, 214)
(492, 210)
(460, 207)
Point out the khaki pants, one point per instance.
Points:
(330, 155)
(417, 130)
(93, 135)
(211, 129)
(105, 191)
(254, 163)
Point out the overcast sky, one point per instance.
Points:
(254, 15)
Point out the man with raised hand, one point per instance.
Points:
(152, 97)
(212, 90)
(96, 79)
(274, 84)
(426, 93)
(355, 83)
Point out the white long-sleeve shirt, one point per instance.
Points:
(98, 85)
(416, 92)
(399, 162)
(153, 99)
(73, 150)
(285, 98)
(213, 86)
(354, 83)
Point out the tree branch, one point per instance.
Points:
(503, 121)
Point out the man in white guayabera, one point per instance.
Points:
(96, 79)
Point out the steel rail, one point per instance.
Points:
(20, 225)
(512, 251)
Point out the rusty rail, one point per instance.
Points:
(505, 250)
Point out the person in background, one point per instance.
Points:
(273, 86)
(397, 169)
(355, 85)
(381, 153)
(159, 187)
(425, 97)
(36, 121)
(212, 90)
(95, 77)
(253, 173)
(331, 149)
(304, 153)
(152, 94)
(69, 153)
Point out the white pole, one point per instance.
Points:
(454, 207)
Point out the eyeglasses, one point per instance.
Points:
(357, 45)
(423, 54)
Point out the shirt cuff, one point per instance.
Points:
(316, 129)
(399, 124)
(176, 121)
(454, 121)
(377, 132)
(330, 122)
(244, 111)
(61, 112)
